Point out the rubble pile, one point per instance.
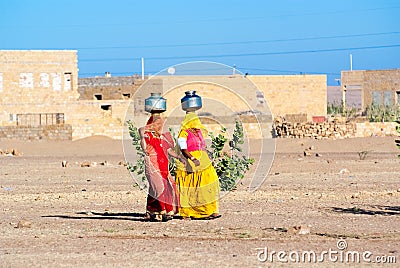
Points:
(319, 131)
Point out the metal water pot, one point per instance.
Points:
(155, 103)
(191, 102)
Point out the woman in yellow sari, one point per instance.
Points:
(197, 181)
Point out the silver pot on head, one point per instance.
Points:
(191, 101)
(155, 103)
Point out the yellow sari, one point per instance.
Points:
(198, 186)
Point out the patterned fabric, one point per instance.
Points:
(162, 195)
(198, 186)
(192, 121)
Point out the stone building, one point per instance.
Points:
(35, 86)
(108, 88)
(39, 90)
(37, 77)
(363, 88)
(334, 95)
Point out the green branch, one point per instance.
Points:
(137, 168)
(230, 167)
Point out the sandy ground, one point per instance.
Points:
(93, 216)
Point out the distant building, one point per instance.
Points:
(35, 86)
(40, 89)
(38, 76)
(363, 88)
(334, 95)
(108, 88)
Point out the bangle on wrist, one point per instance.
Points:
(192, 158)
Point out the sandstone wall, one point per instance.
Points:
(88, 118)
(36, 81)
(54, 132)
(369, 129)
(294, 94)
(38, 76)
(333, 130)
(108, 88)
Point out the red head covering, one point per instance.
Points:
(153, 124)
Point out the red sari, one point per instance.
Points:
(162, 195)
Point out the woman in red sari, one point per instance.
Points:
(162, 198)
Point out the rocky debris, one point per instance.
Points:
(94, 164)
(310, 151)
(319, 131)
(11, 152)
(122, 163)
(16, 153)
(363, 154)
(86, 164)
(306, 152)
(299, 230)
(24, 224)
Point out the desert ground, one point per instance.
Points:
(330, 201)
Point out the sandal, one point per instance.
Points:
(214, 216)
(155, 217)
(166, 217)
(211, 217)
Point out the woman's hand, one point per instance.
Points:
(186, 153)
(182, 159)
(196, 162)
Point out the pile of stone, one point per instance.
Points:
(10, 152)
(323, 130)
(85, 163)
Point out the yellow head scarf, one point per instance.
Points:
(193, 121)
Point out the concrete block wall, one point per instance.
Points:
(38, 76)
(369, 129)
(294, 94)
(54, 132)
(110, 88)
(36, 81)
(88, 118)
(334, 130)
(382, 81)
(9, 111)
(334, 95)
(369, 81)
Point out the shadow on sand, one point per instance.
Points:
(102, 216)
(134, 216)
(375, 210)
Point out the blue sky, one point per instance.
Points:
(258, 37)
